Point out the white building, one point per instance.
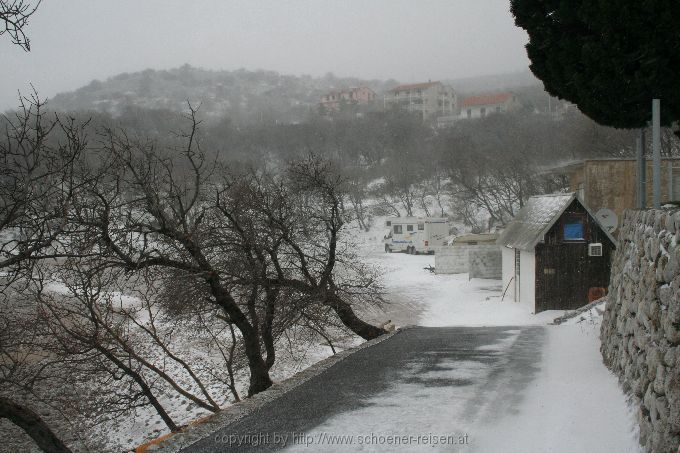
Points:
(481, 106)
(430, 99)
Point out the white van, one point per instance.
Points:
(415, 234)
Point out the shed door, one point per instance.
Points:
(561, 277)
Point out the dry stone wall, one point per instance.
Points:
(641, 325)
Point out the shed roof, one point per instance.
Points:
(536, 218)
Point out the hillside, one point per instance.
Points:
(244, 96)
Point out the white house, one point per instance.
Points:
(481, 106)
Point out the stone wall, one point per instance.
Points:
(480, 260)
(485, 262)
(641, 325)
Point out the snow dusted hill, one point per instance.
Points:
(241, 95)
(247, 96)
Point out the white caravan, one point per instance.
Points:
(415, 234)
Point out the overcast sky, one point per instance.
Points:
(76, 41)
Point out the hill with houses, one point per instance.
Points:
(248, 97)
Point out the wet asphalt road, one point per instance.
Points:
(449, 377)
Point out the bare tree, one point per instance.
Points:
(234, 239)
(92, 323)
(14, 16)
(37, 185)
(356, 195)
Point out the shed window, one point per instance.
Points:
(397, 229)
(409, 227)
(574, 228)
(421, 226)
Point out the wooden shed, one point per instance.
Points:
(555, 254)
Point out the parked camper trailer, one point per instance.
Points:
(415, 234)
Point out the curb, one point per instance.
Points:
(575, 313)
(237, 411)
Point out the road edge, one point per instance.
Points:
(233, 413)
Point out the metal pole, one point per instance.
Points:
(656, 148)
(670, 180)
(641, 171)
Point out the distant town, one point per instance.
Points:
(436, 102)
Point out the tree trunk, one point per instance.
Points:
(146, 390)
(352, 321)
(267, 334)
(259, 372)
(32, 425)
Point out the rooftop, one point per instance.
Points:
(347, 90)
(536, 218)
(481, 237)
(415, 86)
(486, 99)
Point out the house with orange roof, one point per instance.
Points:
(486, 104)
(429, 99)
(332, 100)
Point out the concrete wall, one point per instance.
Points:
(523, 290)
(481, 260)
(527, 278)
(641, 326)
(485, 262)
(452, 259)
(508, 273)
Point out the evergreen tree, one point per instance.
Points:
(609, 57)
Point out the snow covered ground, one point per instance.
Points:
(449, 300)
(417, 296)
(574, 404)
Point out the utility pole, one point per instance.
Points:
(656, 149)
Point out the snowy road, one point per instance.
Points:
(471, 389)
(461, 381)
(420, 385)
